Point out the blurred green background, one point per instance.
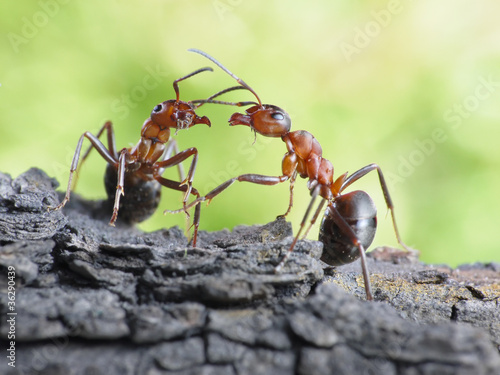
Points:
(411, 85)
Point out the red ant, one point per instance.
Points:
(137, 170)
(349, 222)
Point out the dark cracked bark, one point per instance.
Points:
(93, 299)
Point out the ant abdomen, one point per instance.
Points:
(141, 198)
(359, 211)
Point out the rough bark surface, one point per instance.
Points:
(93, 299)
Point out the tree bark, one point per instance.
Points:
(95, 299)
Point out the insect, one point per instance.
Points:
(133, 177)
(349, 221)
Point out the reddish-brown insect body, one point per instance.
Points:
(349, 221)
(133, 176)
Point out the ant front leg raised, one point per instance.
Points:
(176, 160)
(253, 178)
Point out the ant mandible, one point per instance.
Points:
(349, 222)
(137, 170)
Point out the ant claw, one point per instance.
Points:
(278, 268)
(187, 212)
(58, 207)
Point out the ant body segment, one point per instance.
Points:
(137, 170)
(349, 222)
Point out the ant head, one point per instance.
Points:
(267, 120)
(176, 114)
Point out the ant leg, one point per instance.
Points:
(362, 172)
(178, 158)
(175, 185)
(103, 151)
(289, 168)
(254, 178)
(110, 135)
(120, 184)
(315, 217)
(290, 204)
(196, 223)
(314, 195)
(172, 148)
(346, 229)
(111, 146)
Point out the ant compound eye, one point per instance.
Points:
(158, 108)
(270, 121)
(277, 115)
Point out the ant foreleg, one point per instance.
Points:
(119, 186)
(254, 178)
(362, 172)
(292, 184)
(289, 168)
(177, 159)
(175, 185)
(172, 148)
(103, 151)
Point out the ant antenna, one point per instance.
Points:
(200, 102)
(176, 86)
(239, 80)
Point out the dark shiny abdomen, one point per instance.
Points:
(359, 211)
(141, 197)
